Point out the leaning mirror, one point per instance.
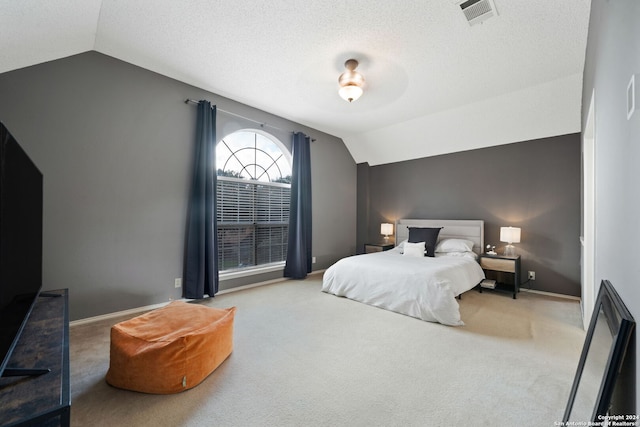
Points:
(603, 355)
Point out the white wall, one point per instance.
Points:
(541, 111)
(613, 55)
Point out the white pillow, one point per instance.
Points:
(399, 247)
(414, 249)
(471, 255)
(454, 245)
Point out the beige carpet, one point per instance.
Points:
(306, 358)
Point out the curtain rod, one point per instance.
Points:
(262, 124)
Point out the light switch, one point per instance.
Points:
(631, 96)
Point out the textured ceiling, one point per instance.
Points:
(426, 69)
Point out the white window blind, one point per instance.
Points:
(253, 222)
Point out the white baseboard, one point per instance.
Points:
(551, 294)
(252, 285)
(118, 313)
(266, 282)
(154, 306)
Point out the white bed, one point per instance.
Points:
(421, 287)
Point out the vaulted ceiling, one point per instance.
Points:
(434, 83)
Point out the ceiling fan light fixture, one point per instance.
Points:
(350, 93)
(351, 82)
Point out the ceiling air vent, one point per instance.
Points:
(477, 11)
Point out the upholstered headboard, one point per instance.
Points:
(451, 229)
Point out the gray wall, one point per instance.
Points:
(534, 185)
(115, 145)
(613, 55)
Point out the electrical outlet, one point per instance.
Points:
(313, 260)
(532, 275)
(178, 283)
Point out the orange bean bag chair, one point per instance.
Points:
(171, 349)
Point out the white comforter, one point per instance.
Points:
(423, 287)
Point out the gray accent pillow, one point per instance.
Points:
(428, 235)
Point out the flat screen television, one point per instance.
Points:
(20, 241)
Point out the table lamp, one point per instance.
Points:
(510, 235)
(387, 230)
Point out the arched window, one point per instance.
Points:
(253, 194)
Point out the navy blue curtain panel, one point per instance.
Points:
(298, 263)
(201, 246)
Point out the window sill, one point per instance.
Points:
(245, 272)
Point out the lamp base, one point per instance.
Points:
(510, 250)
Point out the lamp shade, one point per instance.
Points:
(510, 234)
(350, 93)
(386, 229)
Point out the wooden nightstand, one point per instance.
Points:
(377, 247)
(504, 270)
